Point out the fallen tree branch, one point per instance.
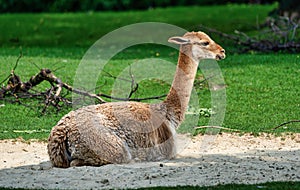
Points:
(277, 35)
(53, 96)
(15, 85)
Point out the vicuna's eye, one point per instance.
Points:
(205, 43)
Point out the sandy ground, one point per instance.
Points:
(202, 160)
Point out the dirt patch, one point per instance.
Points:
(202, 160)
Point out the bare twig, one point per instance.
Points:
(285, 123)
(217, 127)
(227, 36)
(248, 39)
(114, 77)
(134, 85)
(17, 62)
(132, 99)
(16, 65)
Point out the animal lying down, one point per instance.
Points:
(122, 132)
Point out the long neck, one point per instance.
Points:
(180, 92)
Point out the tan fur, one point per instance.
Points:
(123, 132)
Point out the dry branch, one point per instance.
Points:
(285, 123)
(15, 85)
(276, 35)
(53, 96)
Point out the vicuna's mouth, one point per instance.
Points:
(219, 57)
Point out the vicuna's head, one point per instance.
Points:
(199, 45)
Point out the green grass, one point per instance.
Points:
(273, 186)
(262, 92)
(83, 29)
(262, 89)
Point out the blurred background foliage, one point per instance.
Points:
(287, 8)
(13, 6)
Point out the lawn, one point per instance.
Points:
(261, 89)
(82, 29)
(273, 186)
(261, 93)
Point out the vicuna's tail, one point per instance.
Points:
(58, 147)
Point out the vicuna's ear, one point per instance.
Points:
(179, 40)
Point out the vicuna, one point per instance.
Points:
(122, 132)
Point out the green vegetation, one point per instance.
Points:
(273, 186)
(262, 92)
(262, 89)
(103, 5)
(83, 29)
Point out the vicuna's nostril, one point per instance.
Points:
(223, 51)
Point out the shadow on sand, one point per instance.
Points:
(257, 166)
